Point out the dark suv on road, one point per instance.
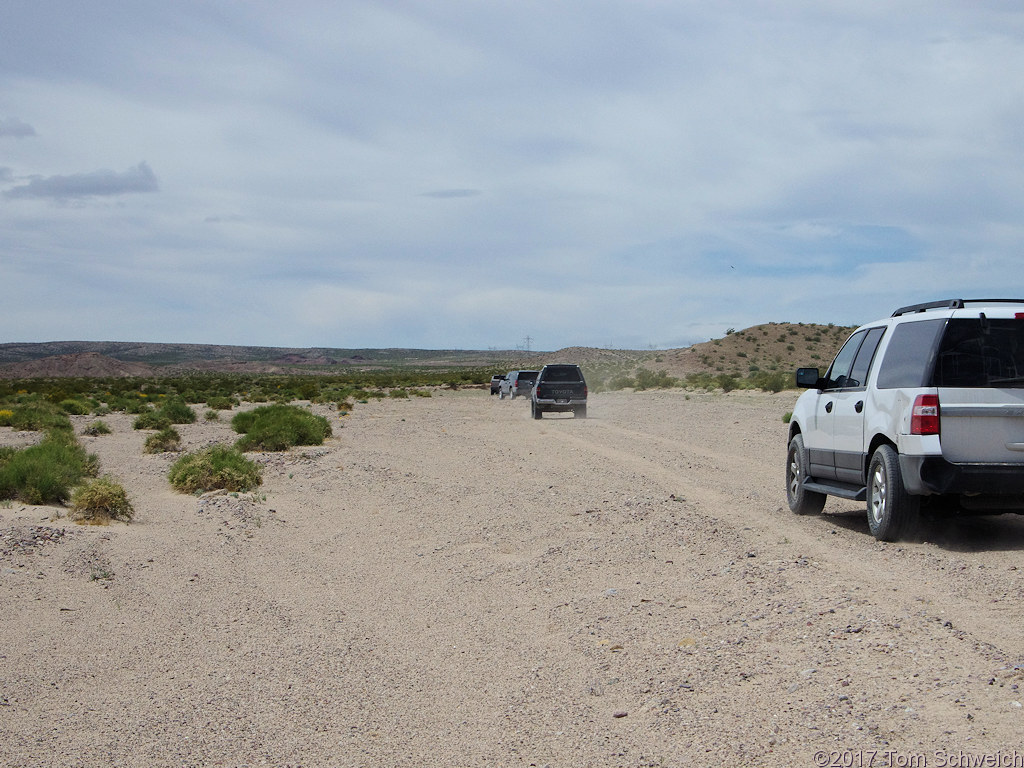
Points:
(923, 408)
(559, 388)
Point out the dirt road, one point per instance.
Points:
(447, 582)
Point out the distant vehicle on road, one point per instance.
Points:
(559, 388)
(518, 383)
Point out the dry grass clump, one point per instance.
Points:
(99, 501)
(213, 468)
(164, 441)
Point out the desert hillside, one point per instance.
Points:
(768, 347)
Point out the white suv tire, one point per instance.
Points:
(892, 512)
(801, 500)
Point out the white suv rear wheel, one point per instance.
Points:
(892, 512)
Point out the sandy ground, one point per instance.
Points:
(447, 582)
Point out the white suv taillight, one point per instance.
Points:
(924, 418)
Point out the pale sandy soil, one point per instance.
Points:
(447, 582)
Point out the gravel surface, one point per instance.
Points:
(448, 582)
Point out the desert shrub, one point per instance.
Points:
(215, 467)
(5, 417)
(620, 382)
(152, 420)
(399, 393)
(774, 381)
(46, 473)
(177, 411)
(136, 406)
(646, 379)
(700, 380)
(727, 382)
(787, 417)
(97, 428)
(278, 427)
(39, 417)
(75, 407)
(167, 439)
(101, 500)
(221, 403)
(211, 415)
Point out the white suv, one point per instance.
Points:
(925, 407)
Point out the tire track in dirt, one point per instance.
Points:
(852, 558)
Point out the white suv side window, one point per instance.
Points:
(858, 376)
(840, 370)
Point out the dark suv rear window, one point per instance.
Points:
(979, 352)
(563, 373)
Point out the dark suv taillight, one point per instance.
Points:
(924, 418)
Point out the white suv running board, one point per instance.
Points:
(842, 490)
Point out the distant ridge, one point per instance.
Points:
(769, 347)
(124, 358)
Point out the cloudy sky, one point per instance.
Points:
(476, 174)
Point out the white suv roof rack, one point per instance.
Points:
(951, 304)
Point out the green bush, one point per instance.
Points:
(167, 439)
(279, 427)
(75, 407)
(101, 500)
(136, 406)
(96, 428)
(152, 420)
(774, 381)
(620, 382)
(45, 473)
(39, 417)
(700, 380)
(221, 403)
(726, 382)
(215, 467)
(177, 412)
(646, 379)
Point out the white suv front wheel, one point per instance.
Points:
(892, 512)
(801, 501)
